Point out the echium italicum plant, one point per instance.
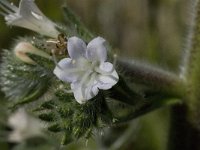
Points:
(66, 83)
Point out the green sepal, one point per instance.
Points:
(46, 63)
(22, 83)
(49, 117)
(55, 127)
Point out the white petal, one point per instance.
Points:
(24, 126)
(30, 17)
(96, 50)
(106, 67)
(67, 71)
(76, 47)
(79, 93)
(15, 137)
(23, 48)
(106, 82)
(14, 120)
(94, 91)
(83, 93)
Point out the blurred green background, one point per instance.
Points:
(149, 30)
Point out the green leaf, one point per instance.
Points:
(23, 83)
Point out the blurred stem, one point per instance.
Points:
(185, 127)
(128, 136)
(183, 135)
(155, 79)
(192, 73)
(164, 89)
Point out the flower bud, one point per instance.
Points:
(23, 48)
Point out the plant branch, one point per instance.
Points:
(155, 79)
(185, 127)
(192, 73)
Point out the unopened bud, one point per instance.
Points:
(23, 48)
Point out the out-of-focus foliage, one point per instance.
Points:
(151, 30)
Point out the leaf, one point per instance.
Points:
(22, 83)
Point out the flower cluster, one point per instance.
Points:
(86, 69)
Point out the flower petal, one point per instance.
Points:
(76, 47)
(106, 67)
(67, 71)
(24, 126)
(83, 93)
(79, 93)
(30, 17)
(14, 120)
(96, 50)
(28, 6)
(106, 82)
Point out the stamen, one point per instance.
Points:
(115, 60)
(52, 41)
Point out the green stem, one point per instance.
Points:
(155, 79)
(164, 89)
(185, 127)
(192, 73)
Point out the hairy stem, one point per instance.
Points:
(192, 73)
(185, 119)
(161, 88)
(155, 79)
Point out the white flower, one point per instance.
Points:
(28, 16)
(24, 126)
(87, 69)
